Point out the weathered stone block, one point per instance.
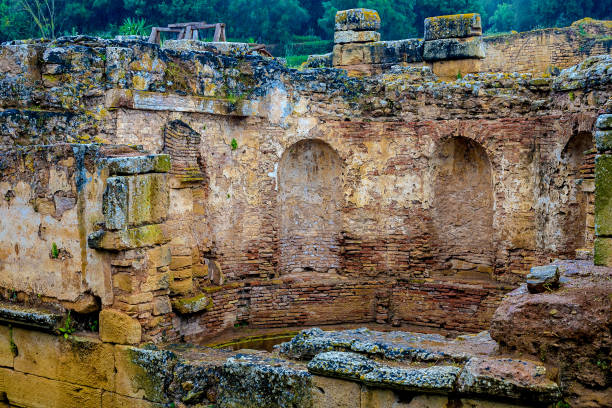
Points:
(117, 327)
(148, 235)
(112, 400)
(143, 373)
(453, 48)
(161, 305)
(115, 204)
(154, 163)
(603, 140)
(331, 392)
(341, 37)
(489, 376)
(156, 281)
(159, 256)
(181, 262)
(182, 286)
(28, 390)
(604, 122)
(81, 360)
(191, 305)
(148, 199)
(603, 252)
(6, 347)
(38, 319)
(453, 26)
(603, 195)
(450, 69)
(357, 20)
(542, 278)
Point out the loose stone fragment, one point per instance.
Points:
(453, 26)
(542, 278)
(357, 20)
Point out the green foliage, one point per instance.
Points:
(93, 325)
(459, 76)
(133, 26)
(234, 144)
(54, 251)
(563, 404)
(294, 61)
(68, 328)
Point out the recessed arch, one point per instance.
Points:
(310, 194)
(463, 208)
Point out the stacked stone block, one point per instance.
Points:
(603, 191)
(135, 207)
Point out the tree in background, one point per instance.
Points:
(43, 13)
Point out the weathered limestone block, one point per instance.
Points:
(181, 286)
(603, 251)
(453, 48)
(7, 349)
(319, 61)
(112, 400)
(29, 317)
(341, 37)
(504, 377)
(191, 305)
(143, 373)
(341, 364)
(603, 195)
(331, 392)
(250, 380)
(81, 360)
(542, 278)
(357, 20)
(438, 379)
(28, 390)
(148, 235)
(117, 327)
(122, 166)
(159, 256)
(135, 200)
(453, 26)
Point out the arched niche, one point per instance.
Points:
(574, 190)
(463, 209)
(310, 193)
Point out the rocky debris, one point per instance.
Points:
(453, 48)
(593, 72)
(508, 378)
(357, 20)
(453, 26)
(398, 346)
(223, 48)
(569, 329)
(37, 318)
(542, 278)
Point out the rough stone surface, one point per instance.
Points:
(542, 278)
(117, 327)
(341, 37)
(604, 122)
(453, 26)
(157, 163)
(603, 140)
(508, 378)
(357, 20)
(453, 48)
(603, 195)
(131, 238)
(190, 305)
(40, 319)
(532, 324)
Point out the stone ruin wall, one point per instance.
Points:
(187, 193)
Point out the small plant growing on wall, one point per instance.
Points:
(68, 328)
(54, 251)
(234, 144)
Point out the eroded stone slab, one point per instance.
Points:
(341, 37)
(542, 278)
(357, 20)
(453, 48)
(453, 26)
(39, 319)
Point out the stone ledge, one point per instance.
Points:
(38, 319)
(148, 235)
(122, 166)
(155, 101)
